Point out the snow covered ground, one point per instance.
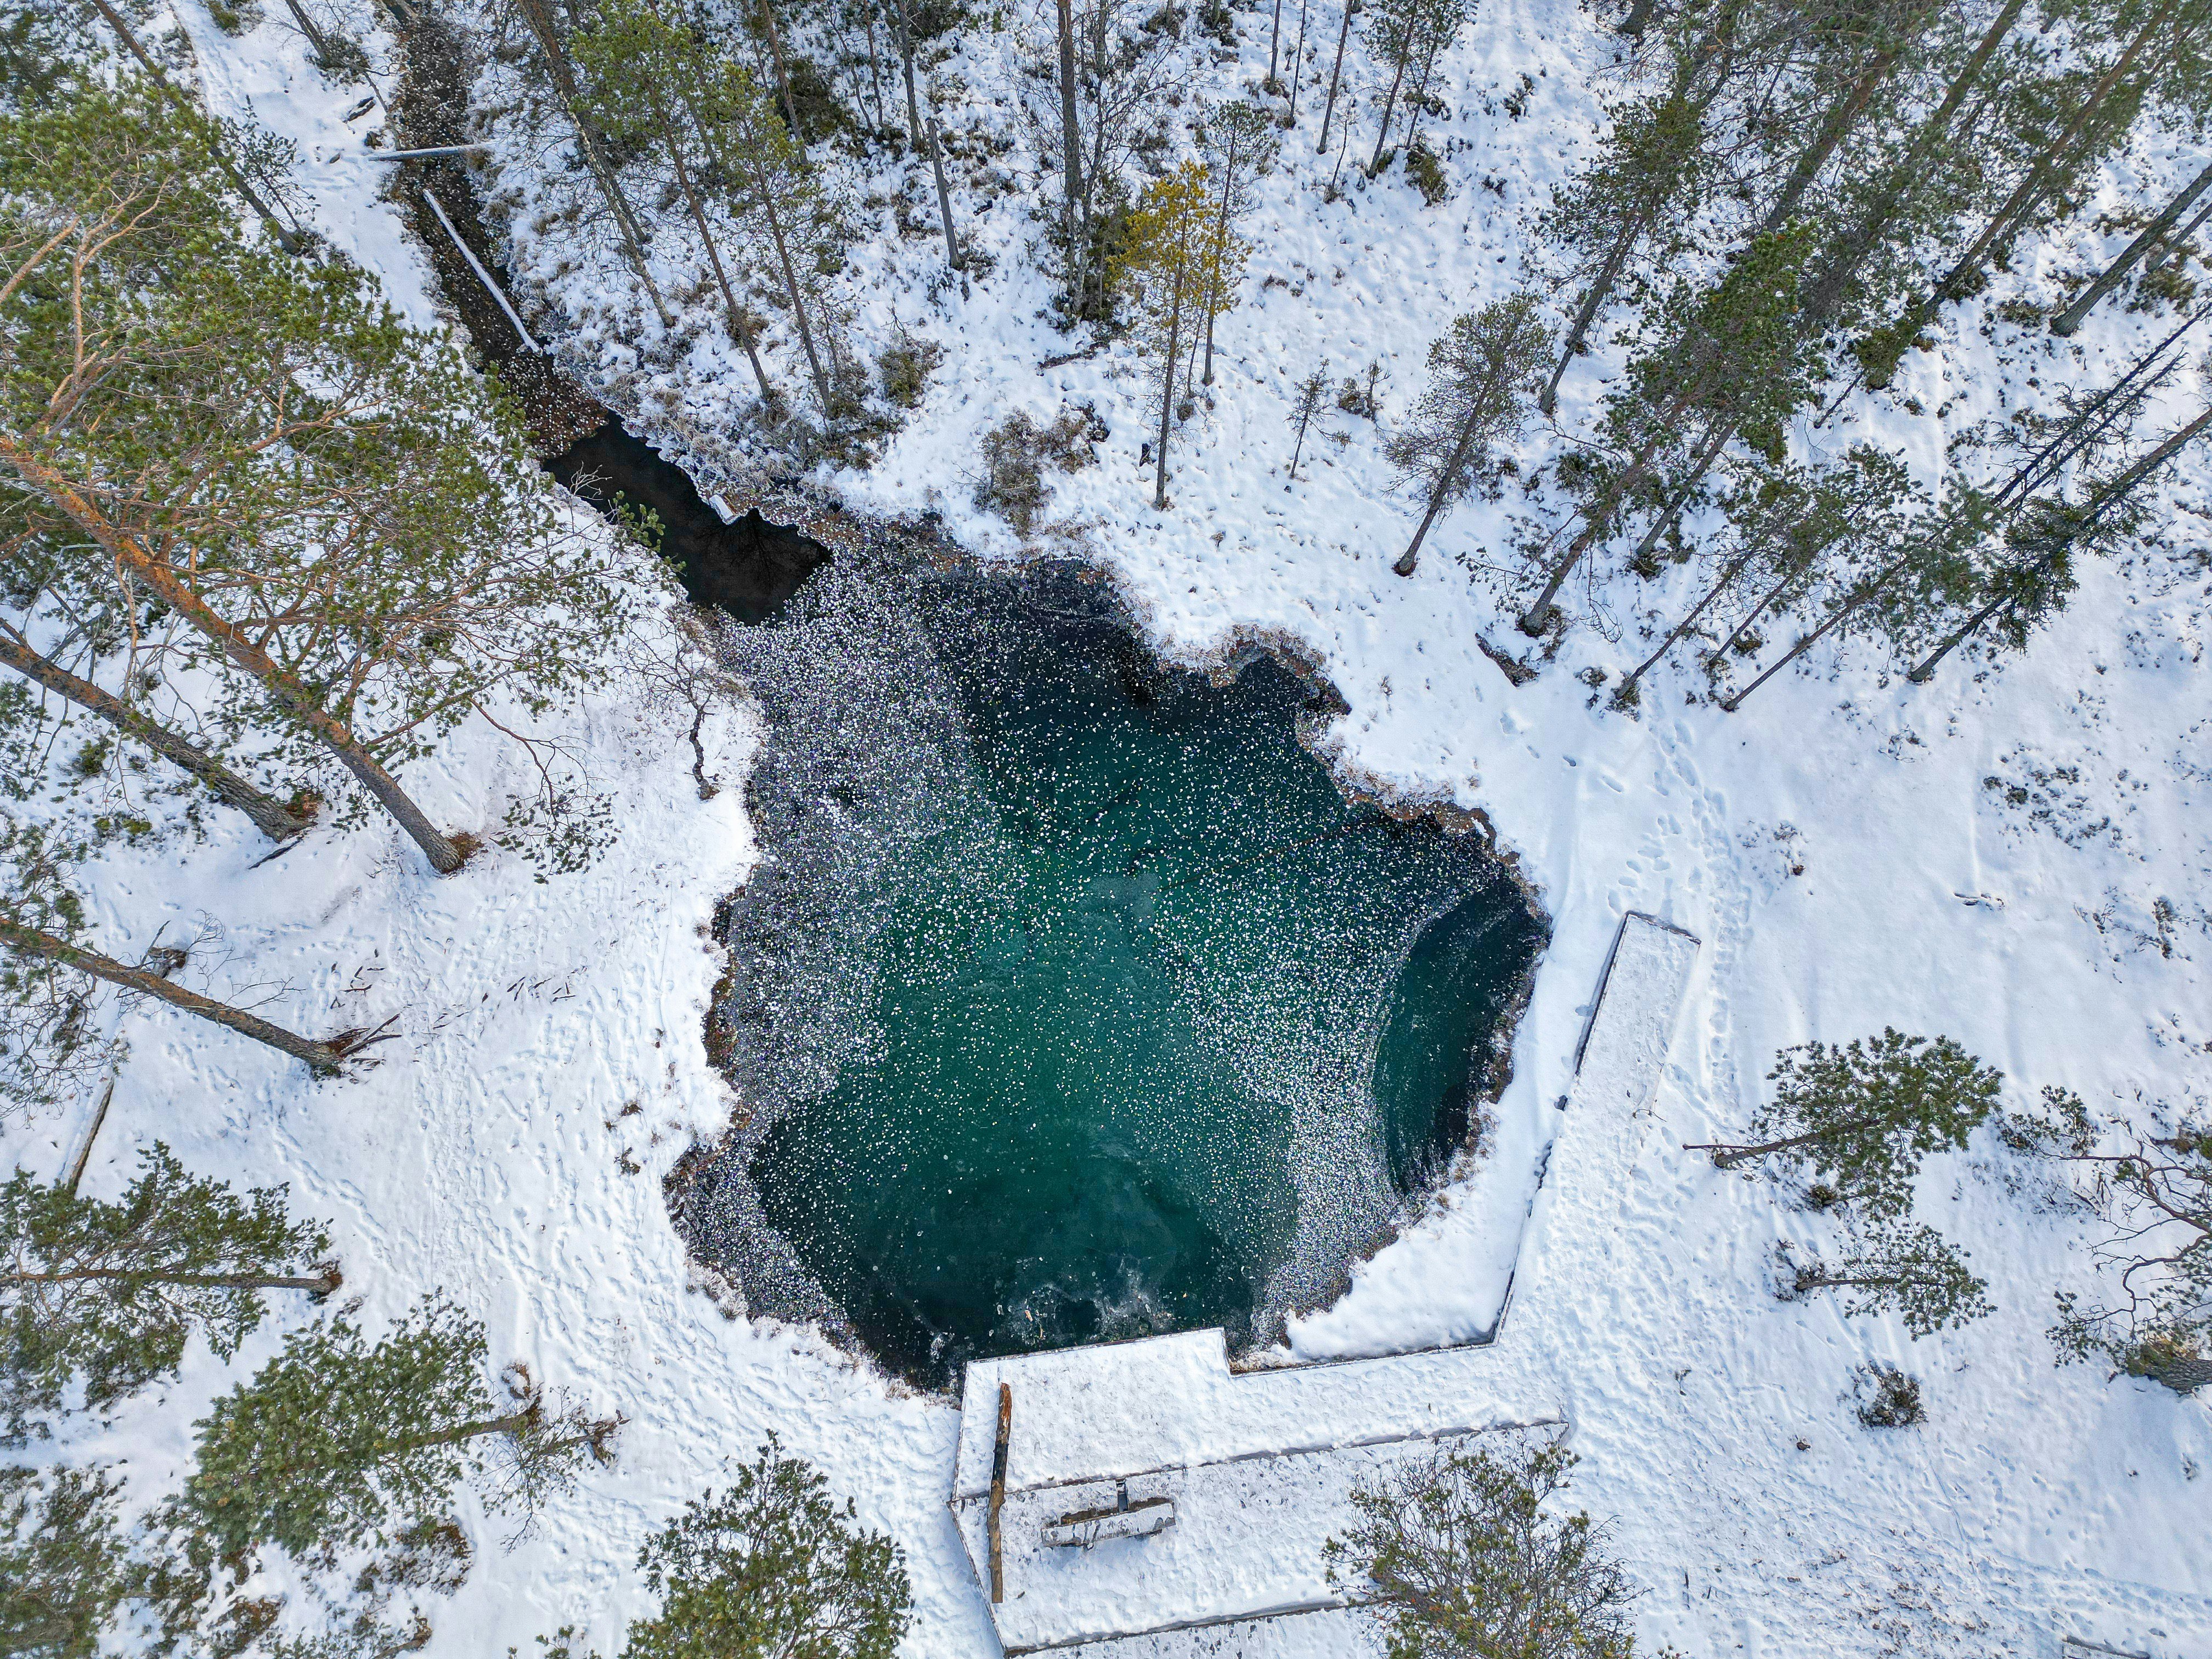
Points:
(1845, 848)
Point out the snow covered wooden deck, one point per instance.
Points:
(1260, 1466)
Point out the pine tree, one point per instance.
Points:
(1482, 371)
(538, 17)
(279, 820)
(772, 1569)
(1863, 1114)
(361, 567)
(1239, 142)
(336, 1441)
(1311, 391)
(2114, 275)
(1792, 528)
(1459, 1554)
(2163, 43)
(1913, 1271)
(110, 1293)
(636, 67)
(1115, 59)
(1723, 362)
(1408, 34)
(1185, 267)
(64, 1569)
(798, 233)
(50, 1047)
(2034, 579)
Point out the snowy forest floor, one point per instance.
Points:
(2018, 857)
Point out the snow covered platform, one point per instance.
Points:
(1258, 1466)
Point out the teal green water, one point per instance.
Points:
(1158, 1030)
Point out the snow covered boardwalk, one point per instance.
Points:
(1258, 1466)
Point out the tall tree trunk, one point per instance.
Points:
(270, 816)
(1828, 291)
(2042, 175)
(539, 17)
(925, 135)
(741, 325)
(1335, 78)
(1167, 391)
(262, 210)
(782, 73)
(1925, 669)
(29, 941)
(1862, 596)
(1275, 43)
(1445, 479)
(1390, 108)
(2071, 319)
(1624, 695)
(1727, 1156)
(286, 692)
(321, 1284)
(791, 285)
(1600, 286)
(1843, 115)
(1297, 63)
(1071, 131)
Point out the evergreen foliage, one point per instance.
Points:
(1891, 1266)
(64, 1569)
(1895, 1403)
(338, 1441)
(1482, 373)
(51, 1046)
(772, 1569)
(1463, 1559)
(110, 1293)
(339, 518)
(1863, 1114)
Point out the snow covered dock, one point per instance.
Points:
(1257, 1467)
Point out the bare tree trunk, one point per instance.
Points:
(1070, 129)
(1297, 63)
(1275, 43)
(29, 941)
(1390, 108)
(1624, 693)
(782, 73)
(270, 816)
(1335, 79)
(285, 690)
(926, 134)
(1726, 1157)
(2071, 319)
